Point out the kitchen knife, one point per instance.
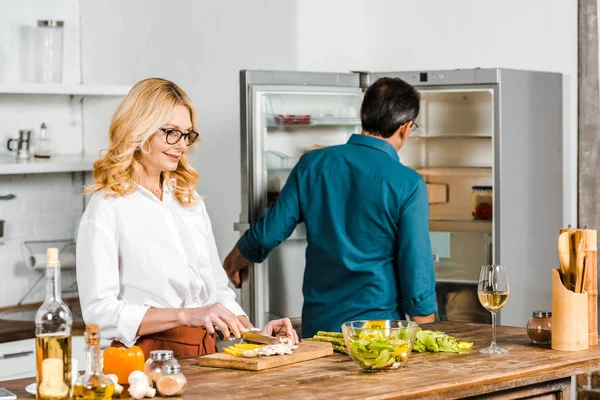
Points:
(250, 337)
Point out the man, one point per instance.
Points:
(366, 216)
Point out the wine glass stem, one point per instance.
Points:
(493, 329)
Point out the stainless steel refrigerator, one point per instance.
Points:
(495, 128)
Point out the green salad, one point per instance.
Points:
(372, 349)
(438, 341)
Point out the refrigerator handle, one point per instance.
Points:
(241, 226)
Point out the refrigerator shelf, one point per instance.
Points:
(276, 160)
(450, 136)
(460, 225)
(455, 171)
(303, 121)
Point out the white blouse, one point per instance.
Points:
(135, 252)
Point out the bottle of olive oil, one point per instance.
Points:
(93, 385)
(53, 322)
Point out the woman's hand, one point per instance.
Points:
(280, 328)
(213, 315)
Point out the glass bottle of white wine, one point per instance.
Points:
(53, 322)
(93, 385)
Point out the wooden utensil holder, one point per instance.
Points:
(569, 317)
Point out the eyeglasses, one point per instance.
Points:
(414, 126)
(172, 136)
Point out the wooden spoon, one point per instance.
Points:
(564, 256)
(579, 267)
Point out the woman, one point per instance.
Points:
(148, 270)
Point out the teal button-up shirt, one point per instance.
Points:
(366, 215)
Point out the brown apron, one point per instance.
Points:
(183, 341)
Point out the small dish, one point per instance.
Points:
(31, 389)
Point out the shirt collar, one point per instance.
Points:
(375, 143)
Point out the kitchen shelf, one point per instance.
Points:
(312, 122)
(64, 89)
(9, 165)
(461, 225)
(456, 171)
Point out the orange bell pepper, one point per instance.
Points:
(121, 361)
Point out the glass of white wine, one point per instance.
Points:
(492, 291)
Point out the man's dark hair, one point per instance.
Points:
(388, 104)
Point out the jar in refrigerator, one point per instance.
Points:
(50, 51)
(481, 197)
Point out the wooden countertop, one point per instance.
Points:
(440, 375)
(11, 330)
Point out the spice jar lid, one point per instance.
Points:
(160, 355)
(542, 314)
(171, 368)
(50, 23)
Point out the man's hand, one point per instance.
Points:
(280, 328)
(236, 267)
(423, 319)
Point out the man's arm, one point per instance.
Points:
(415, 264)
(263, 236)
(423, 319)
(235, 264)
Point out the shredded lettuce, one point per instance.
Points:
(438, 341)
(373, 350)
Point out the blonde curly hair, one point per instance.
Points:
(147, 107)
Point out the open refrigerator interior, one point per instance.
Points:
(290, 123)
(453, 150)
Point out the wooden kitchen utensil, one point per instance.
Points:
(306, 350)
(569, 317)
(590, 284)
(579, 267)
(564, 256)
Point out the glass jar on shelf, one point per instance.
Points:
(482, 201)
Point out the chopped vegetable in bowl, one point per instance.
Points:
(379, 345)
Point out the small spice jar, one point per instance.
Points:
(481, 198)
(158, 359)
(171, 381)
(539, 327)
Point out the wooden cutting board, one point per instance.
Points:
(307, 350)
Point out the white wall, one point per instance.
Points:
(200, 45)
(332, 35)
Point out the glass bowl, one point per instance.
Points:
(379, 345)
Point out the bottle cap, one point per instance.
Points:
(52, 257)
(542, 314)
(92, 328)
(91, 334)
(161, 355)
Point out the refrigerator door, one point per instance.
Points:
(283, 116)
